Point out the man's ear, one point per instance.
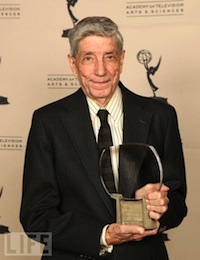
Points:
(72, 64)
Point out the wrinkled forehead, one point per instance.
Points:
(96, 42)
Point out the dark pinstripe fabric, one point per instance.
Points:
(105, 141)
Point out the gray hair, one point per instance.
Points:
(94, 25)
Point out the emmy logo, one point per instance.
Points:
(3, 100)
(70, 3)
(144, 57)
(3, 229)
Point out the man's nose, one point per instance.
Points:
(100, 68)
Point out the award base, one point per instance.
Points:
(133, 212)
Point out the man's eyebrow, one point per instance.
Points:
(111, 52)
(93, 53)
(87, 53)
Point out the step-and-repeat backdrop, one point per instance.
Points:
(162, 40)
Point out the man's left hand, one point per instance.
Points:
(156, 199)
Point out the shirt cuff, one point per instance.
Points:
(105, 248)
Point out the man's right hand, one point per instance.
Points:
(118, 234)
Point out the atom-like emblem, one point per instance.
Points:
(144, 57)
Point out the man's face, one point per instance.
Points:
(98, 65)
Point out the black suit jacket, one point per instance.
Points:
(62, 191)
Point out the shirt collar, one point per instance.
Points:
(114, 106)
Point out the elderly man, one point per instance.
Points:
(62, 190)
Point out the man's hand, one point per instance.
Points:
(118, 234)
(156, 199)
(157, 204)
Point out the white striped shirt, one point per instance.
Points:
(115, 120)
(115, 116)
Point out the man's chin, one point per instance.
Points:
(101, 96)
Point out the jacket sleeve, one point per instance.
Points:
(174, 173)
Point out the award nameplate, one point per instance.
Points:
(133, 166)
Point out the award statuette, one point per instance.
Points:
(144, 57)
(3, 229)
(3, 101)
(70, 3)
(132, 166)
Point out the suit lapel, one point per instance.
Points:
(79, 127)
(136, 119)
